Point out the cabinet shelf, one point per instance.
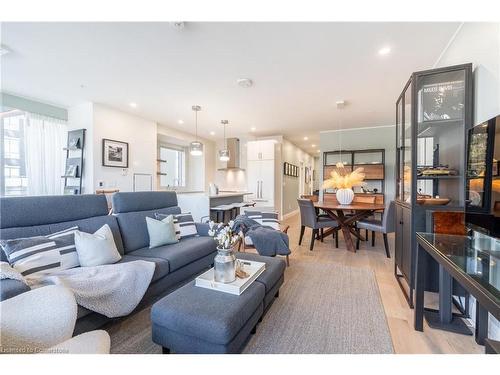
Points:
(438, 177)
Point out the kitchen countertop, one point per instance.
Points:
(223, 194)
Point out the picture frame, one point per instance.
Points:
(115, 153)
(71, 170)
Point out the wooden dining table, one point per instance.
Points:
(339, 212)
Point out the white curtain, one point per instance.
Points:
(44, 140)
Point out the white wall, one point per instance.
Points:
(360, 139)
(200, 169)
(292, 185)
(104, 122)
(479, 43)
(139, 133)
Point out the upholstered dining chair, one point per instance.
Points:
(384, 226)
(309, 218)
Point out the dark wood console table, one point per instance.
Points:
(475, 269)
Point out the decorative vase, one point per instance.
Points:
(225, 266)
(345, 196)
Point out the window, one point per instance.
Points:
(31, 156)
(13, 156)
(172, 167)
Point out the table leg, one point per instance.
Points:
(481, 332)
(444, 318)
(420, 288)
(346, 231)
(445, 285)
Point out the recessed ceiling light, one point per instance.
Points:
(133, 105)
(244, 82)
(313, 145)
(384, 51)
(180, 122)
(306, 138)
(212, 133)
(253, 128)
(178, 25)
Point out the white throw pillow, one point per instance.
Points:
(96, 249)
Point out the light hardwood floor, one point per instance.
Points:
(399, 315)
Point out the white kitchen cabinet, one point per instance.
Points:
(260, 177)
(261, 150)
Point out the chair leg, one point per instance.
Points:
(373, 238)
(313, 237)
(366, 234)
(321, 234)
(357, 239)
(337, 239)
(302, 229)
(386, 244)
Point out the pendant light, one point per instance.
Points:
(224, 153)
(196, 147)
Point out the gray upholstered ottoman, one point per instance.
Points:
(199, 320)
(272, 278)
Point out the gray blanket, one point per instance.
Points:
(267, 241)
(112, 290)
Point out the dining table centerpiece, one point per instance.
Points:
(343, 181)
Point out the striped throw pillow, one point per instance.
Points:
(36, 256)
(270, 219)
(183, 223)
(254, 215)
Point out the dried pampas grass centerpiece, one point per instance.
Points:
(344, 181)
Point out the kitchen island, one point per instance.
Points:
(199, 202)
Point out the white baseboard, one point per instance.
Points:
(290, 214)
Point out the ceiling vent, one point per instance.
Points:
(244, 82)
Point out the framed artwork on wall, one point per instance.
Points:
(114, 153)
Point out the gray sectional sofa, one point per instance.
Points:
(36, 216)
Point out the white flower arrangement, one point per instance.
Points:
(225, 237)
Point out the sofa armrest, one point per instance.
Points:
(202, 229)
(10, 288)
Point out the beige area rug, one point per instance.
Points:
(324, 308)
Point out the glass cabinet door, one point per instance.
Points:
(407, 149)
(440, 153)
(399, 148)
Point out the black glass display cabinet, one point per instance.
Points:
(433, 115)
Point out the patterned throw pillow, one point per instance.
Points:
(184, 225)
(36, 256)
(270, 219)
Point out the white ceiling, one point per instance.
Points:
(300, 70)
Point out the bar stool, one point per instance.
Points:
(220, 212)
(238, 206)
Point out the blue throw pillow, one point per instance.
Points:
(161, 232)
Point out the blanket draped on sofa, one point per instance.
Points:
(112, 290)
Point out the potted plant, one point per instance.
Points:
(344, 181)
(225, 260)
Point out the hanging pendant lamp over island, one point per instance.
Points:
(224, 153)
(196, 147)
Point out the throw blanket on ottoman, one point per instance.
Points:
(267, 241)
(112, 290)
